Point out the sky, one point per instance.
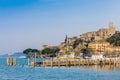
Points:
(33, 23)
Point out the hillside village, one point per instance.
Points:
(93, 43)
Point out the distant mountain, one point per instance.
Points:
(17, 55)
(4, 56)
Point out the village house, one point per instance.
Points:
(98, 47)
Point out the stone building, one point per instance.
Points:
(102, 33)
(67, 45)
(98, 46)
(113, 50)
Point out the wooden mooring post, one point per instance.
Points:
(52, 62)
(29, 62)
(10, 61)
(32, 60)
(43, 62)
(58, 63)
(14, 61)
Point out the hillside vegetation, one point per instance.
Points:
(115, 39)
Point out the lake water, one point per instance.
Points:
(54, 73)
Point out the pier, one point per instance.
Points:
(76, 62)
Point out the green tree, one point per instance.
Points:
(92, 38)
(115, 39)
(77, 42)
(31, 52)
(35, 51)
(86, 52)
(27, 51)
(67, 52)
(50, 50)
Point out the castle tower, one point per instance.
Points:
(111, 25)
(111, 29)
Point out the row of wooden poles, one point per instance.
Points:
(79, 62)
(10, 61)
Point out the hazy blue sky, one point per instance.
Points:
(32, 23)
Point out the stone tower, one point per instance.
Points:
(110, 25)
(111, 29)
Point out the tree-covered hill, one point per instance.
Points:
(115, 39)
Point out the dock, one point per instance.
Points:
(75, 62)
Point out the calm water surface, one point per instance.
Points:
(48, 73)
